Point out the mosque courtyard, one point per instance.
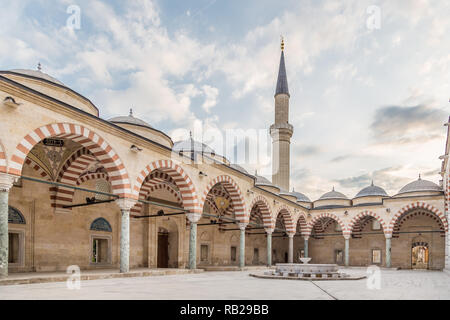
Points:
(238, 285)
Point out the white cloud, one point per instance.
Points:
(211, 95)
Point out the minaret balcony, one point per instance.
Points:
(282, 129)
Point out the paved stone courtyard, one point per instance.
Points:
(402, 284)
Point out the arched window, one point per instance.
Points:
(14, 216)
(101, 224)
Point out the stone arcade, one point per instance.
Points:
(76, 189)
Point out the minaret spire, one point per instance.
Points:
(281, 131)
(282, 83)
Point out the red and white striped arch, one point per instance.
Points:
(325, 215)
(3, 159)
(301, 223)
(87, 138)
(363, 214)
(417, 205)
(148, 188)
(40, 172)
(92, 176)
(264, 208)
(235, 194)
(179, 176)
(69, 174)
(288, 220)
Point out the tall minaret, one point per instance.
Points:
(281, 131)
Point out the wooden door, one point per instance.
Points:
(163, 250)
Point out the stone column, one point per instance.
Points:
(306, 246)
(242, 226)
(388, 250)
(193, 219)
(346, 251)
(291, 248)
(6, 182)
(125, 206)
(269, 247)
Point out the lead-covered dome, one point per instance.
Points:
(142, 128)
(191, 145)
(265, 184)
(130, 119)
(333, 195)
(372, 191)
(37, 74)
(420, 185)
(300, 196)
(50, 86)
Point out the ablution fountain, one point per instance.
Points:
(306, 271)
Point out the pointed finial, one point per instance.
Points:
(293, 190)
(131, 112)
(372, 183)
(256, 172)
(333, 188)
(420, 178)
(282, 43)
(39, 66)
(190, 134)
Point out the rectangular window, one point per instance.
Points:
(14, 248)
(100, 250)
(376, 224)
(233, 254)
(203, 252)
(376, 256)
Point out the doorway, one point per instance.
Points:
(419, 255)
(163, 248)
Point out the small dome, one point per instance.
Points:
(262, 180)
(37, 74)
(300, 196)
(190, 145)
(371, 191)
(130, 119)
(333, 195)
(419, 186)
(238, 168)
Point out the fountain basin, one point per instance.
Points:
(306, 271)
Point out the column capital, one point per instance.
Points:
(125, 204)
(388, 235)
(347, 236)
(291, 235)
(242, 225)
(269, 230)
(6, 181)
(306, 237)
(193, 217)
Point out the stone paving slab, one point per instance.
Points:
(394, 285)
(45, 277)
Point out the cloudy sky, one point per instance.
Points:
(369, 80)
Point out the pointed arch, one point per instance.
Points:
(179, 176)
(264, 208)
(363, 214)
(36, 167)
(311, 224)
(287, 217)
(417, 205)
(87, 138)
(301, 222)
(235, 194)
(70, 174)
